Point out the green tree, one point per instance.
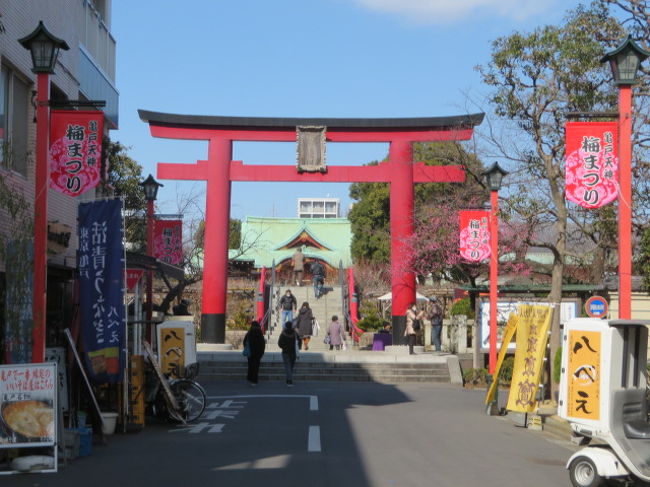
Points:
(536, 79)
(370, 215)
(234, 234)
(124, 177)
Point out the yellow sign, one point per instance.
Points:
(583, 373)
(532, 334)
(511, 328)
(172, 351)
(136, 390)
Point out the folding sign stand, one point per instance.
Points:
(30, 391)
(73, 346)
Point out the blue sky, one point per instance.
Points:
(300, 58)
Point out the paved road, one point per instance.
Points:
(325, 434)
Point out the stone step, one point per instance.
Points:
(205, 366)
(384, 379)
(339, 372)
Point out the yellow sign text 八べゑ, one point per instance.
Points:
(583, 372)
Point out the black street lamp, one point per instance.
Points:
(150, 186)
(625, 60)
(44, 48)
(494, 176)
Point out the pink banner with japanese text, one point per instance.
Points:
(168, 241)
(474, 235)
(75, 150)
(591, 163)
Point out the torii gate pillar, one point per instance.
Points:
(215, 249)
(400, 155)
(220, 170)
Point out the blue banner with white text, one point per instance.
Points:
(101, 284)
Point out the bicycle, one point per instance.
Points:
(180, 399)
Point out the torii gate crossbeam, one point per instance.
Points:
(219, 170)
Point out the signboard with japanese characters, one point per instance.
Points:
(475, 235)
(591, 163)
(583, 373)
(168, 241)
(101, 276)
(75, 150)
(532, 335)
(28, 405)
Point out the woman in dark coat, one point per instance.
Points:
(255, 340)
(305, 324)
(288, 342)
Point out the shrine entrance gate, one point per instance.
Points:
(219, 170)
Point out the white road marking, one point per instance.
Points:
(215, 413)
(313, 400)
(229, 404)
(313, 439)
(280, 461)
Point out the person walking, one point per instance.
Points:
(288, 344)
(288, 305)
(413, 325)
(254, 340)
(298, 261)
(335, 333)
(305, 324)
(318, 278)
(435, 315)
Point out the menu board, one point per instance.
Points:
(28, 405)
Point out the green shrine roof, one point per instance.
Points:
(267, 239)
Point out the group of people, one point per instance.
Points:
(414, 324)
(296, 334)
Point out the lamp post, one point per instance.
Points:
(150, 186)
(44, 48)
(624, 62)
(494, 177)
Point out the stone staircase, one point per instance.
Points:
(329, 304)
(330, 366)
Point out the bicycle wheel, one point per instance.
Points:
(191, 398)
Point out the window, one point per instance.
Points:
(14, 102)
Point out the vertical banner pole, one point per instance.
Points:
(42, 177)
(625, 203)
(494, 270)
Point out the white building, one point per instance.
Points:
(84, 72)
(319, 208)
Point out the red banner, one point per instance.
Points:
(133, 276)
(75, 150)
(168, 241)
(474, 235)
(591, 163)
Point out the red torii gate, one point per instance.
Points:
(219, 170)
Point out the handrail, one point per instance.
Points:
(354, 330)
